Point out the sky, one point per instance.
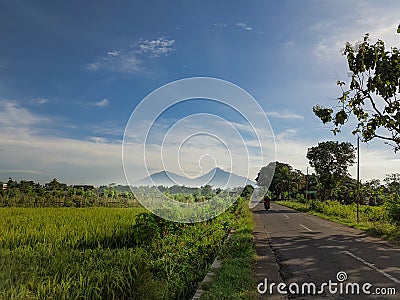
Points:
(73, 73)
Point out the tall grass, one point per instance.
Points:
(373, 219)
(103, 253)
(235, 279)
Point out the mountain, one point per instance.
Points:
(215, 177)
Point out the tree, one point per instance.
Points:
(373, 94)
(206, 190)
(297, 182)
(372, 190)
(54, 185)
(285, 179)
(393, 183)
(264, 175)
(280, 180)
(247, 191)
(346, 191)
(330, 161)
(11, 184)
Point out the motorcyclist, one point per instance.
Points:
(267, 202)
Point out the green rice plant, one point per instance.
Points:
(99, 253)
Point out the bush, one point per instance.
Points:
(392, 207)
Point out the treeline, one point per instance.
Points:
(290, 183)
(331, 180)
(27, 193)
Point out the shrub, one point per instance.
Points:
(392, 207)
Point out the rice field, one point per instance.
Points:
(103, 253)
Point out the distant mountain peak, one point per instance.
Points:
(217, 177)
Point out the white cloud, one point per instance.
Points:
(113, 53)
(70, 160)
(155, 48)
(12, 115)
(98, 140)
(289, 44)
(220, 24)
(126, 62)
(96, 160)
(108, 129)
(284, 115)
(19, 171)
(39, 101)
(286, 134)
(244, 26)
(333, 34)
(375, 162)
(132, 60)
(102, 103)
(27, 154)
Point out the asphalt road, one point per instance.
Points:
(296, 248)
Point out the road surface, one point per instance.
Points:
(300, 251)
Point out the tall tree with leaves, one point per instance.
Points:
(372, 95)
(330, 161)
(285, 179)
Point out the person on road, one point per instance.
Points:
(267, 202)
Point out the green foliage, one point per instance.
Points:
(393, 183)
(235, 279)
(285, 180)
(247, 191)
(376, 220)
(28, 196)
(104, 253)
(345, 190)
(331, 160)
(392, 206)
(372, 95)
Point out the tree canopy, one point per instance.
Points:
(330, 161)
(372, 95)
(285, 179)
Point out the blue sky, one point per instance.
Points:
(71, 73)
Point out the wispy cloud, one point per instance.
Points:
(8, 171)
(132, 60)
(155, 48)
(125, 62)
(286, 134)
(289, 44)
(244, 26)
(38, 101)
(220, 24)
(333, 34)
(102, 103)
(12, 115)
(113, 53)
(98, 140)
(284, 115)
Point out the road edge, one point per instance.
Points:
(266, 266)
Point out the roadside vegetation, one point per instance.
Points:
(373, 219)
(60, 242)
(332, 194)
(103, 253)
(235, 278)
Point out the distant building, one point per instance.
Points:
(84, 187)
(3, 186)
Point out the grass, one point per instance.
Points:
(104, 253)
(235, 278)
(57, 228)
(373, 219)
